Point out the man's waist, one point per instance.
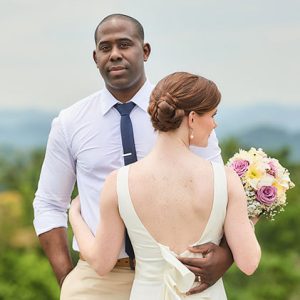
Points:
(125, 262)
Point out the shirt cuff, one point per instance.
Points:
(50, 220)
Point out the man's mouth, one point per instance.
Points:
(116, 68)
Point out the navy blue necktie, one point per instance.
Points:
(129, 152)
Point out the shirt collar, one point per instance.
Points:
(141, 98)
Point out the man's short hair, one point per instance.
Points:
(137, 24)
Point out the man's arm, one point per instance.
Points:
(55, 246)
(52, 201)
(214, 264)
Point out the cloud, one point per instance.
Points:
(249, 48)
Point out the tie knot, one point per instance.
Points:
(124, 108)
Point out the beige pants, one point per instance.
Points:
(83, 283)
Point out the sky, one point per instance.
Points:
(251, 49)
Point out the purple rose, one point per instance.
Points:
(272, 170)
(266, 195)
(240, 166)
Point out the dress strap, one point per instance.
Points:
(122, 189)
(214, 227)
(126, 208)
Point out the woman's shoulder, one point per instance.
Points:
(230, 173)
(198, 160)
(232, 176)
(234, 184)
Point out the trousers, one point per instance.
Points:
(83, 283)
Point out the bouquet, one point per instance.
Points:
(265, 181)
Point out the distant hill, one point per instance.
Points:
(269, 138)
(234, 120)
(268, 127)
(25, 128)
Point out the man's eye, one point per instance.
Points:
(104, 48)
(124, 45)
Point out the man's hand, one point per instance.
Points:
(211, 267)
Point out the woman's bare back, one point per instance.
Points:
(173, 199)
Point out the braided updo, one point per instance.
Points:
(176, 95)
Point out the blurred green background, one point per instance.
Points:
(249, 48)
(25, 273)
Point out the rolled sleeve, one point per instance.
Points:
(56, 182)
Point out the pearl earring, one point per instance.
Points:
(191, 135)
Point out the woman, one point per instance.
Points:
(171, 199)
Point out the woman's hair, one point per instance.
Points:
(176, 95)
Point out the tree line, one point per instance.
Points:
(25, 273)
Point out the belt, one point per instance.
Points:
(121, 263)
(126, 263)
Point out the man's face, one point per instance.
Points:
(120, 55)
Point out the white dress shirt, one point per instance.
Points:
(85, 145)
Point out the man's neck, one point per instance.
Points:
(126, 95)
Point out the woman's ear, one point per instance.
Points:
(191, 119)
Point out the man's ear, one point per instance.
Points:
(147, 51)
(95, 58)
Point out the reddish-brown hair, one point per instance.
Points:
(176, 95)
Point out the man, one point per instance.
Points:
(85, 144)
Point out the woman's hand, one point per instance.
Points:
(75, 209)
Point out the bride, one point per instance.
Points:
(171, 200)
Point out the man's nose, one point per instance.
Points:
(115, 54)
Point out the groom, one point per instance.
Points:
(85, 145)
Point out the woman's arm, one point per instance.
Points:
(238, 230)
(101, 251)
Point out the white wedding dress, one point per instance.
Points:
(159, 275)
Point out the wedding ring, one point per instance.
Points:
(199, 278)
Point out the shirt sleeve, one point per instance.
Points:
(56, 183)
(212, 152)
